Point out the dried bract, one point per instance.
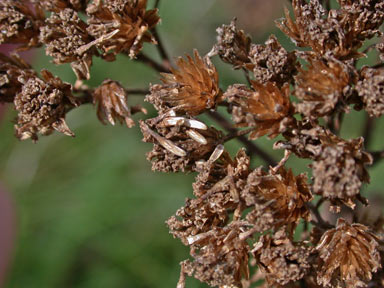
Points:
(271, 62)
(340, 171)
(121, 26)
(66, 36)
(380, 48)
(191, 89)
(11, 68)
(233, 45)
(267, 108)
(111, 100)
(278, 198)
(348, 256)
(42, 105)
(174, 148)
(20, 22)
(371, 90)
(280, 259)
(324, 87)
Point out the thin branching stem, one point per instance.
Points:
(367, 133)
(251, 147)
(152, 63)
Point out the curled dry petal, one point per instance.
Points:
(348, 255)
(267, 108)
(190, 89)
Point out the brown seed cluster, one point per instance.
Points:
(42, 105)
(20, 22)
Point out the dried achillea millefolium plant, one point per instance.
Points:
(241, 221)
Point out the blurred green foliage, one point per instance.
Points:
(90, 213)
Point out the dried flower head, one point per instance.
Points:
(121, 26)
(178, 142)
(266, 107)
(348, 256)
(339, 33)
(271, 62)
(20, 22)
(371, 89)
(11, 68)
(232, 45)
(42, 105)
(324, 87)
(340, 170)
(111, 99)
(220, 257)
(279, 198)
(190, 90)
(281, 260)
(59, 5)
(66, 39)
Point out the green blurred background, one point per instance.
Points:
(90, 212)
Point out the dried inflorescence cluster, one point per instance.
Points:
(241, 224)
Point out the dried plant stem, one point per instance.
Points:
(320, 221)
(157, 3)
(367, 133)
(236, 134)
(152, 63)
(246, 74)
(160, 47)
(251, 147)
(377, 157)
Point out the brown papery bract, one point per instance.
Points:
(266, 107)
(348, 255)
(191, 89)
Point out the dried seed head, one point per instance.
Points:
(340, 170)
(267, 108)
(232, 45)
(111, 100)
(371, 89)
(348, 255)
(11, 68)
(65, 34)
(59, 5)
(121, 26)
(280, 259)
(20, 22)
(220, 258)
(278, 199)
(42, 105)
(189, 90)
(322, 88)
(271, 62)
(178, 147)
(339, 33)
